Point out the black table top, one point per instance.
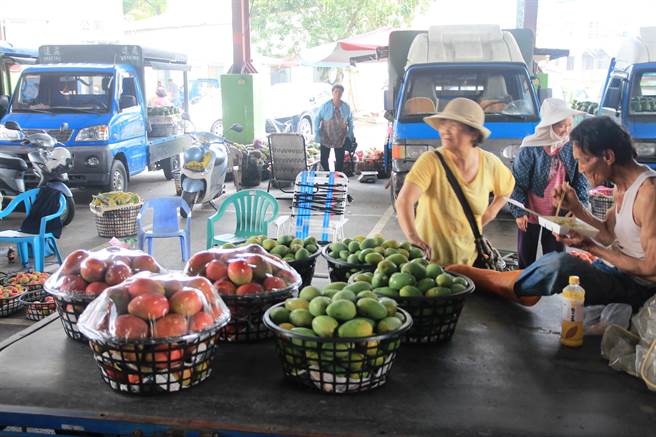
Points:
(503, 373)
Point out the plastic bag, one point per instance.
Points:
(618, 346)
(599, 317)
(84, 275)
(154, 306)
(247, 270)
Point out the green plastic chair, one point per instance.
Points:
(251, 208)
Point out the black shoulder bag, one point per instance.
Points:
(488, 256)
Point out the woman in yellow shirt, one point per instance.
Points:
(440, 227)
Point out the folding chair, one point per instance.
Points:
(287, 157)
(318, 206)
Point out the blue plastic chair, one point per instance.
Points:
(251, 208)
(165, 223)
(37, 244)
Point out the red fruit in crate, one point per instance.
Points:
(71, 284)
(120, 297)
(240, 272)
(93, 269)
(286, 276)
(251, 288)
(216, 311)
(225, 287)
(215, 270)
(49, 299)
(145, 285)
(171, 325)
(196, 265)
(274, 283)
(95, 288)
(171, 286)
(141, 263)
(260, 266)
(117, 273)
(129, 327)
(201, 321)
(71, 265)
(167, 357)
(205, 286)
(134, 378)
(187, 302)
(149, 306)
(120, 259)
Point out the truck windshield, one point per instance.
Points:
(504, 94)
(643, 95)
(64, 92)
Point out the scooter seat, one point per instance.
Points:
(11, 162)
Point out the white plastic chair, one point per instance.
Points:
(318, 207)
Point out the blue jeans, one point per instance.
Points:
(603, 284)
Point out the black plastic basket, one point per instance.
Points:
(157, 365)
(35, 307)
(246, 315)
(6, 280)
(339, 270)
(10, 305)
(69, 312)
(305, 267)
(337, 365)
(434, 319)
(600, 205)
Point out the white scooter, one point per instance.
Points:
(204, 167)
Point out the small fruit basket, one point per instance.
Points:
(38, 305)
(10, 299)
(249, 280)
(433, 297)
(155, 333)
(28, 281)
(342, 339)
(116, 213)
(349, 256)
(84, 275)
(300, 254)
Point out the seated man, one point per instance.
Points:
(626, 243)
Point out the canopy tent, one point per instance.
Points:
(367, 46)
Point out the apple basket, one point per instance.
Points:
(249, 280)
(38, 305)
(84, 275)
(155, 333)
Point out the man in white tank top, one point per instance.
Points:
(626, 241)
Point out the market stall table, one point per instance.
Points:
(503, 373)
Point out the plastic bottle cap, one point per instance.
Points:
(574, 280)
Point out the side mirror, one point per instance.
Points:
(4, 103)
(12, 125)
(236, 127)
(389, 116)
(388, 103)
(612, 99)
(185, 116)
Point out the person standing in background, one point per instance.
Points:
(333, 125)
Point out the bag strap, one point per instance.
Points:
(457, 189)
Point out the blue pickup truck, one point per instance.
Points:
(629, 92)
(92, 99)
(429, 68)
(12, 62)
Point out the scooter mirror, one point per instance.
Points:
(12, 125)
(185, 116)
(236, 127)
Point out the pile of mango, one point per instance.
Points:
(286, 247)
(199, 165)
(371, 251)
(115, 198)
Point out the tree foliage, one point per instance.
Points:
(141, 9)
(285, 27)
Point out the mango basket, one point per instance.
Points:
(339, 270)
(337, 365)
(35, 306)
(116, 221)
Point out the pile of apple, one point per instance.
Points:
(154, 306)
(10, 291)
(28, 278)
(244, 271)
(88, 274)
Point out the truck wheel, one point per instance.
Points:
(190, 198)
(171, 167)
(118, 177)
(69, 212)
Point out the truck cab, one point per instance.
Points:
(12, 62)
(428, 69)
(92, 99)
(629, 92)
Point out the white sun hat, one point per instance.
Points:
(552, 111)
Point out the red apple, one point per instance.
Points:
(71, 284)
(196, 264)
(187, 301)
(251, 288)
(149, 306)
(205, 286)
(260, 266)
(215, 270)
(71, 265)
(129, 327)
(95, 288)
(117, 273)
(286, 276)
(240, 272)
(144, 285)
(274, 283)
(120, 259)
(225, 287)
(201, 321)
(171, 325)
(142, 263)
(93, 269)
(168, 357)
(216, 311)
